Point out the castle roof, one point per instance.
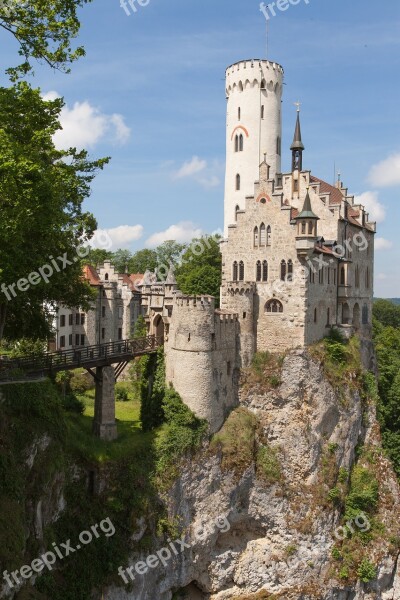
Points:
(297, 142)
(336, 196)
(307, 212)
(91, 275)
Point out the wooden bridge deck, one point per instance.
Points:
(100, 355)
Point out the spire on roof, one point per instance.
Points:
(171, 280)
(307, 212)
(297, 146)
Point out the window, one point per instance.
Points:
(258, 271)
(120, 333)
(106, 276)
(77, 339)
(329, 275)
(296, 185)
(367, 278)
(334, 276)
(265, 271)
(70, 319)
(303, 228)
(62, 321)
(228, 368)
(262, 111)
(103, 311)
(328, 317)
(83, 318)
(62, 341)
(77, 319)
(315, 315)
(310, 227)
(70, 339)
(263, 235)
(103, 333)
(241, 142)
(268, 235)
(236, 212)
(321, 275)
(255, 237)
(278, 145)
(312, 273)
(239, 114)
(290, 271)
(235, 271)
(357, 276)
(263, 84)
(274, 306)
(283, 270)
(342, 275)
(241, 271)
(365, 315)
(82, 340)
(237, 182)
(236, 143)
(120, 312)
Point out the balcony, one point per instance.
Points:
(305, 245)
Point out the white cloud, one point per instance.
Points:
(121, 237)
(209, 182)
(381, 276)
(382, 244)
(386, 173)
(190, 168)
(84, 125)
(182, 232)
(370, 200)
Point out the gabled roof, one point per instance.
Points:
(336, 196)
(91, 275)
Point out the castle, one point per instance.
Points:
(297, 256)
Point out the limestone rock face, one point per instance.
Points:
(245, 536)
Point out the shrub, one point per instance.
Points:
(334, 495)
(268, 465)
(26, 347)
(236, 441)
(366, 571)
(72, 404)
(121, 394)
(364, 493)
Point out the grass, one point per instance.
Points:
(265, 370)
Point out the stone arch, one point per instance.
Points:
(158, 326)
(240, 86)
(255, 83)
(273, 306)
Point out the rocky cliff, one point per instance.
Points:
(293, 499)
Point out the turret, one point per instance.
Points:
(307, 229)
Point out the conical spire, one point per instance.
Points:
(297, 142)
(307, 212)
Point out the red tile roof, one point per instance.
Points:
(336, 196)
(90, 274)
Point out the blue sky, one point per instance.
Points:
(150, 93)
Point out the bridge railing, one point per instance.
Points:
(80, 356)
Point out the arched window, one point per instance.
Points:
(235, 271)
(255, 237)
(258, 271)
(106, 277)
(239, 114)
(241, 271)
(283, 270)
(263, 235)
(237, 182)
(265, 271)
(241, 143)
(237, 209)
(263, 84)
(310, 227)
(365, 316)
(345, 314)
(240, 86)
(262, 111)
(290, 271)
(268, 235)
(342, 275)
(367, 278)
(274, 306)
(236, 143)
(328, 317)
(278, 145)
(315, 315)
(303, 227)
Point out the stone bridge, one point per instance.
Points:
(105, 362)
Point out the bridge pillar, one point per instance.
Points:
(104, 425)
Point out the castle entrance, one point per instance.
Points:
(158, 326)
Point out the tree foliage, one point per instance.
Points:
(44, 30)
(200, 268)
(41, 194)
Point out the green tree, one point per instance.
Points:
(200, 269)
(44, 30)
(168, 254)
(387, 313)
(120, 259)
(42, 190)
(97, 256)
(142, 261)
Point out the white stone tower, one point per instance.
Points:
(253, 131)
